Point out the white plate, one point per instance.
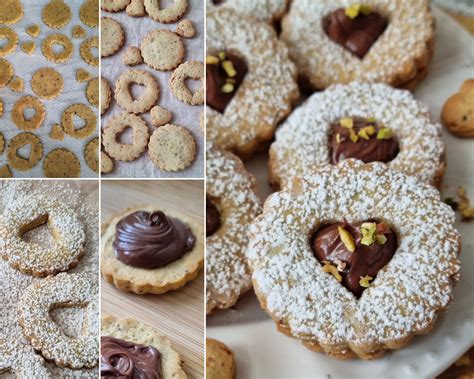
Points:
(262, 352)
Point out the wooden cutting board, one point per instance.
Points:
(179, 315)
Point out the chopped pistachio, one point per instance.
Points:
(365, 281)
(381, 239)
(221, 55)
(368, 231)
(228, 67)
(365, 9)
(338, 137)
(332, 270)
(384, 133)
(371, 119)
(228, 88)
(346, 122)
(211, 59)
(354, 138)
(346, 239)
(366, 132)
(352, 11)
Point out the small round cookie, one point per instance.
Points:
(185, 29)
(136, 8)
(56, 14)
(458, 111)
(167, 15)
(33, 30)
(89, 13)
(231, 205)
(117, 125)
(12, 40)
(132, 56)
(47, 83)
(112, 36)
(160, 116)
(27, 213)
(91, 154)
(114, 5)
(92, 92)
(188, 70)
(220, 362)
(162, 50)
(61, 163)
(124, 97)
(106, 164)
(28, 47)
(269, 11)
(105, 95)
(11, 11)
(6, 72)
(86, 51)
(18, 116)
(173, 255)
(172, 148)
(86, 114)
(78, 32)
(132, 338)
(22, 360)
(57, 39)
(36, 153)
(62, 290)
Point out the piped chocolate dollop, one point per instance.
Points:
(151, 240)
(356, 30)
(213, 218)
(358, 256)
(128, 360)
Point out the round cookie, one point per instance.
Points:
(62, 290)
(172, 148)
(89, 13)
(18, 116)
(185, 29)
(458, 111)
(160, 116)
(91, 154)
(92, 92)
(112, 36)
(6, 72)
(56, 14)
(167, 15)
(12, 40)
(115, 126)
(11, 11)
(220, 362)
(36, 153)
(106, 164)
(85, 113)
(105, 95)
(61, 163)
(188, 70)
(57, 39)
(132, 56)
(114, 5)
(47, 83)
(124, 97)
(162, 50)
(86, 51)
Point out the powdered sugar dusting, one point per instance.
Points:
(265, 10)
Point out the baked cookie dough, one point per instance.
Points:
(172, 148)
(92, 92)
(91, 154)
(6, 72)
(78, 32)
(18, 116)
(160, 116)
(269, 11)
(132, 56)
(61, 163)
(82, 75)
(12, 40)
(11, 11)
(56, 14)
(115, 126)
(56, 132)
(85, 113)
(57, 39)
(106, 164)
(86, 51)
(124, 97)
(185, 29)
(136, 8)
(167, 15)
(458, 111)
(112, 37)
(175, 259)
(162, 50)
(89, 13)
(28, 47)
(114, 5)
(220, 362)
(20, 358)
(33, 30)
(105, 95)
(16, 84)
(188, 70)
(47, 83)
(36, 152)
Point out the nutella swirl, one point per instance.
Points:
(151, 240)
(119, 358)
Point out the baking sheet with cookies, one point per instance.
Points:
(26, 159)
(183, 114)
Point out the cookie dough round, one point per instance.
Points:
(18, 162)
(12, 40)
(61, 163)
(57, 39)
(56, 14)
(47, 83)
(162, 50)
(106, 163)
(84, 112)
(220, 362)
(11, 11)
(86, 51)
(172, 148)
(188, 70)
(89, 13)
(105, 95)
(124, 97)
(92, 92)
(6, 72)
(91, 154)
(18, 116)
(167, 15)
(112, 36)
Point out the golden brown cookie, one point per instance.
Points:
(92, 92)
(56, 14)
(85, 113)
(105, 95)
(106, 163)
(162, 50)
(21, 163)
(220, 362)
(12, 40)
(112, 36)
(16, 84)
(6, 72)
(188, 70)
(167, 15)
(28, 47)
(56, 132)
(458, 111)
(11, 11)
(33, 30)
(82, 75)
(86, 51)
(78, 32)
(47, 83)
(132, 56)
(136, 8)
(5, 172)
(61, 163)
(91, 154)
(185, 29)
(18, 116)
(114, 5)
(57, 39)
(2, 143)
(124, 97)
(89, 13)
(160, 116)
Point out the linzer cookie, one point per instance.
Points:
(342, 257)
(124, 97)
(32, 258)
(192, 70)
(250, 82)
(18, 115)
(369, 122)
(141, 350)
(21, 359)
(231, 205)
(86, 51)
(166, 15)
(57, 39)
(264, 10)
(372, 41)
(22, 163)
(85, 113)
(151, 249)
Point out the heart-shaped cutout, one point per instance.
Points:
(37, 231)
(70, 319)
(125, 137)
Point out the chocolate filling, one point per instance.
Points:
(213, 218)
(363, 261)
(355, 34)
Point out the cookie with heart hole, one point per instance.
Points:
(231, 205)
(270, 11)
(125, 98)
(21, 359)
(370, 122)
(371, 41)
(151, 249)
(27, 213)
(250, 82)
(342, 258)
(62, 290)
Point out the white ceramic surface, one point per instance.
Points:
(262, 352)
